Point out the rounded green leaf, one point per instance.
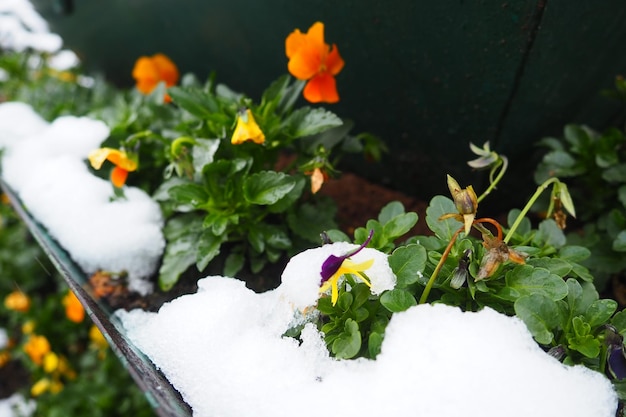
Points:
(397, 300)
(267, 187)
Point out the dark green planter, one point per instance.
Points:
(426, 76)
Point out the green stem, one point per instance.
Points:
(503, 167)
(529, 204)
(444, 256)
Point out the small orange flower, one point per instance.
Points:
(73, 308)
(122, 161)
(17, 301)
(318, 177)
(150, 71)
(247, 129)
(310, 58)
(36, 348)
(5, 357)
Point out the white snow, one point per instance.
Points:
(46, 165)
(4, 338)
(17, 406)
(21, 28)
(223, 349)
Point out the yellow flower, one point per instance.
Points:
(150, 71)
(17, 301)
(73, 308)
(97, 338)
(247, 129)
(40, 387)
(50, 362)
(122, 161)
(28, 327)
(36, 348)
(312, 59)
(334, 267)
(347, 267)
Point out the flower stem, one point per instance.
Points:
(444, 256)
(494, 182)
(526, 208)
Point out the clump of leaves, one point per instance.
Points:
(595, 165)
(248, 196)
(519, 269)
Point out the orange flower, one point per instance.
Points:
(310, 58)
(318, 177)
(36, 348)
(73, 308)
(17, 301)
(123, 163)
(150, 71)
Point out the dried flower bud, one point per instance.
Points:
(465, 200)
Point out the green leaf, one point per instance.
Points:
(208, 248)
(391, 210)
(203, 152)
(267, 187)
(615, 174)
(621, 194)
(559, 159)
(619, 321)
(337, 236)
(540, 314)
(397, 300)
(309, 220)
(582, 340)
(399, 225)
(188, 194)
(549, 234)
(600, 311)
(525, 280)
(578, 136)
(580, 297)
(290, 198)
(554, 265)
(407, 262)
(573, 253)
(524, 227)
(256, 239)
(619, 243)
(307, 121)
(444, 229)
(344, 301)
(233, 264)
(374, 343)
(195, 101)
(348, 343)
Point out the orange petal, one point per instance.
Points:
(321, 88)
(315, 36)
(167, 70)
(118, 177)
(334, 62)
(121, 159)
(294, 41)
(146, 74)
(317, 180)
(305, 63)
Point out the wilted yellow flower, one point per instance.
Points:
(36, 348)
(17, 301)
(466, 203)
(247, 129)
(73, 308)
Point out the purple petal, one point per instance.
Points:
(617, 361)
(333, 263)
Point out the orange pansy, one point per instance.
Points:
(36, 348)
(73, 308)
(310, 58)
(122, 161)
(17, 301)
(150, 71)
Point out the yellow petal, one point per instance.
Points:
(247, 129)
